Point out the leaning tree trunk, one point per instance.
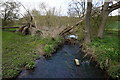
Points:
(88, 17)
(103, 15)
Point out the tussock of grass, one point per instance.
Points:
(20, 51)
(50, 44)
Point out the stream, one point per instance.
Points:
(62, 65)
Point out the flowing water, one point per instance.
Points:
(62, 65)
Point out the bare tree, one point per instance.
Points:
(43, 8)
(88, 21)
(35, 12)
(9, 11)
(100, 12)
(104, 14)
(76, 8)
(49, 12)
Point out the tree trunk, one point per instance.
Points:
(88, 17)
(103, 15)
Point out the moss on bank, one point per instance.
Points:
(19, 51)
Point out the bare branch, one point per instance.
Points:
(114, 7)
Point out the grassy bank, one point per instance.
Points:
(106, 51)
(10, 29)
(107, 54)
(20, 51)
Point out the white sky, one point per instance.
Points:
(30, 4)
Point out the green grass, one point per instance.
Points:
(50, 44)
(20, 51)
(108, 49)
(113, 25)
(10, 29)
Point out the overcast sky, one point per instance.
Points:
(63, 4)
(30, 4)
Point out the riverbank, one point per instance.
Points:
(106, 53)
(21, 51)
(61, 65)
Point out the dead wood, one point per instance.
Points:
(68, 29)
(30, 25)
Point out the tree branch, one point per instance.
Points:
(114, 7)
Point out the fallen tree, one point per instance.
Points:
(68, 29)
(30, 25)
(95, 12)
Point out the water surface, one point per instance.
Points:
(62, 65)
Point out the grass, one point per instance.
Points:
(19, 51)
(10, 29)
(107, 50)
(107, 53)
(50, 44)
(114, 25)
